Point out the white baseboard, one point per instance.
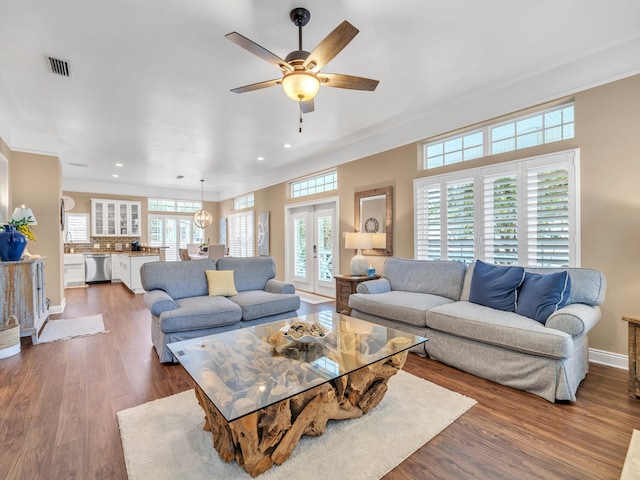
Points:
(616, 360)
(53, 309)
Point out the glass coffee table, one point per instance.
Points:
(261, 391)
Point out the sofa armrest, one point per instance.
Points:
(276, 286)
(381, 285)
(574, 319)
(159, 301)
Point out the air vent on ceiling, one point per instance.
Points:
(59, 67)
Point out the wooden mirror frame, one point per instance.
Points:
(388, 216)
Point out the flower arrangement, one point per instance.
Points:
(23, 227)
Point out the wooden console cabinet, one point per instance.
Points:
(345, 286)
(23, 294)
(634, 353)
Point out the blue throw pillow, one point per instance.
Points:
(541, 295)
(494, 286)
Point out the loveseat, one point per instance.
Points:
(547, 357)
(178, 296)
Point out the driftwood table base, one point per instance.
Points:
(260, 439)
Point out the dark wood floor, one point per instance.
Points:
(58, 405)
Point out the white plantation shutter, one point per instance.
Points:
(240, 229)
(548, 217)
(501, 218)
(460, 221)
(524, 212)
(428, 218)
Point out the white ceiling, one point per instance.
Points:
(150, 81)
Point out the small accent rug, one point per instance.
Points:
(64, 329)
(631, 467)
(312, 298)
(164, 439)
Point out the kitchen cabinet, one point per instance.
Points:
(130, 270)
(115, 267)
(73, 269)
(23, 294)
(110, 218)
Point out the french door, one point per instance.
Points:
(172, 232)
(312, 247)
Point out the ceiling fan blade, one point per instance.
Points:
(259, 51)
(307, 107)
(257, 86)
(337, 80)
(330, 46)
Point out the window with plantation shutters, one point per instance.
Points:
(501, 218)
(240, 231)
(548, 216)
(516, 213)
(460, 222)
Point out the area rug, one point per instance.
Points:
(164, 439)
(312, 298)
(66, 328)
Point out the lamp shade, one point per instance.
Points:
(358, 240)
(24, 213)
(379, 240)
(300, 86)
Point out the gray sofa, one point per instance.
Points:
(431, 298)
(177, 295)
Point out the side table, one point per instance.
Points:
(634, 352)
(345, 286)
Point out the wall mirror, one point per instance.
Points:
(374, 214)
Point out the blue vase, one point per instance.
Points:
(12, 244)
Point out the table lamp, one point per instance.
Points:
(358, 241)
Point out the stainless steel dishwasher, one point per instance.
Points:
(97, 268)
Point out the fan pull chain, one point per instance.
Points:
(300, 127)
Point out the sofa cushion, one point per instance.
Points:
(195, 313)
(405, 307)
(251, 273)
(443, 278)
(497, 327)
(495, 286)
(588, 286)
(541, 295)
(178, 279)
(258, 303)
(221, 283)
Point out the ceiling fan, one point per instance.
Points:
(301, 77)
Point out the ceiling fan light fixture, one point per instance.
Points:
(300, 86)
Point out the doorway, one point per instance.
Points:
(311, 246)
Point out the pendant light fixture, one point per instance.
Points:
(202, 219)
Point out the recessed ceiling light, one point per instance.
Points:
(115, 175)
(260, 159)
(180, 177)
(119, 165)
(287, 145)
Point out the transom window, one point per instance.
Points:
(515, 213)
(544, 126)
(170, 205)
(323, 182)
(246, 201)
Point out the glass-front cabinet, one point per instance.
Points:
(115, 218)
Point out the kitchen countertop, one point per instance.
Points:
(127, 252)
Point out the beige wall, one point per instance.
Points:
(607, 121)
(36, 181)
